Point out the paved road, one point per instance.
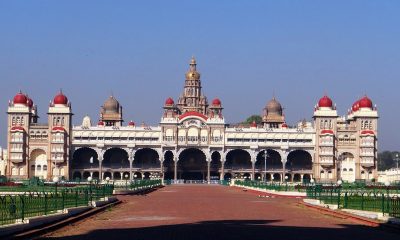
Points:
(214, 212)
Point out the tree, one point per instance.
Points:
(386, 160)
(253, 118)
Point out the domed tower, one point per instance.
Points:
(59, 128)
(111, 112)
(273, 114)
(216, 109)
(170, 110)
(325, 123)
(19, 122)
(192, 98)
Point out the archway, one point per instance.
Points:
(299, 160)
(146, 158)
(168, 165)
(107, 175)
(86, 175)
(238, 159)
(227, 176)
(146, 175)
(273, 161)
(215, 166)
(258, 177)
(192, 165)
(76, 176)
(85, 158)
(117, 176)
(115, 158)
(347, 167)
(306, 178)
(297, 177)
(38, 161)
(276, 177)
(137, 175)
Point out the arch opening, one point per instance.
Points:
(192, 165)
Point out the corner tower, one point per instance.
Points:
(60, 126)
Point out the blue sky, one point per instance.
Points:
(246, 51)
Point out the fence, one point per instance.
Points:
(181, 181)
(138, 184)
(375, 200)
(18, 207)
(284, 187)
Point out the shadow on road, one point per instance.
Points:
(237, 229)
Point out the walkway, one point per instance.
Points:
(214, 212)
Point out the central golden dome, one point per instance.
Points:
(192, 74)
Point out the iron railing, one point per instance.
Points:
(16, 208)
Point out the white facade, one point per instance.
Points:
(193, 141)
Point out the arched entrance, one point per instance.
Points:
(347, 167)
(271, 162)
(85, 159)
(215, 166)
(192, 165)
(238, 162)
(116, 158)
(299, 160)
(146, 158)
(38, 164)
(168, 165)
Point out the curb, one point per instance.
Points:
(267, 194)
(355, 218)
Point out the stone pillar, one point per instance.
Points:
(222, 170)
(130, 169)
(208, 171)
(176, 169)
(100, 157)
(253, 170)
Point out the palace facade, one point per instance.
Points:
(192, 141)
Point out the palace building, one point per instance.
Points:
(192, 141)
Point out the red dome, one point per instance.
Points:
(30, 102)
(253, 124)
(325, 101)
(216, 102)
(100, 123)
(356, 106)
(60, 99)
(284, 125)
(169, 101)
(20, 98)
(365, 102)
(131, 123)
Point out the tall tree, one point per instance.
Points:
(253, 118)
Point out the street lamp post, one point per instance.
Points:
(55, 180)
(90, 188)
(286, 178)
(126, 181)
(265, 164)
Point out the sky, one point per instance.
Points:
(247, 51)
